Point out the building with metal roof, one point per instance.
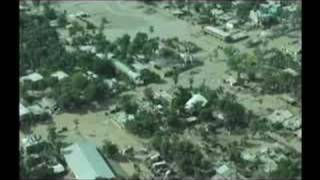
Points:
(34, 77)
(85, 161)
(23, 111)
(216, 32)
(60, 75)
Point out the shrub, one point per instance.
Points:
(110, 149)
(149, 76)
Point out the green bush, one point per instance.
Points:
(145, 124)
(149, 77)
(49, 12)
(110, 149)
(78, 81)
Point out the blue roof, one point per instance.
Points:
(85, 161)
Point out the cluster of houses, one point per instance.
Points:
(269, 156)
(153, 160)
(225, 23)
(82, 159)
(40, 110)
(285, 118)
(33, 146)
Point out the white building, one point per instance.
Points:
(58, 168)
(59, 75)
(88, 48)
(195, 99)
(37, 110)
(216, 32)
(100, 55)
(135, 77)
(47, 104)
(23, 111)
(34, 77)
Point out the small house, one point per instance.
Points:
(59, 75)
(195, 99)
(288, 99)
(226, 171)
(248, 156)
(292, 123)
(155, 157)
(88, 48)
(218, 177)
(58, 169)
(178, 13)
(81, 15)
(217, 12)
(34, 77)
(159, 164)
(53, 23)
(222, 35)
(230, 80)
(138, 66)
(23, 8)
(23, 112)
(279, 116)
(100, 55)
(290, 71)
(112, 84)
(48, 104)
(237, 37)
(192, 119)
(37, 110)
(134, 76)
(298, 133)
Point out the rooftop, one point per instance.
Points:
(60, 75)
(23, 110)
(85, 161)
(32, 77)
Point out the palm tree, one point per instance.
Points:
(191, 80)
(76, 123)
(175, 77)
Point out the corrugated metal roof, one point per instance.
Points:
(23, 110)
(216, 31)
(85, 161)
(32, 77)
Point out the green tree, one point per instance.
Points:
(181, 96)
(149, 76)
(287, 169)
(128, 104)
(49, 12)
(36, 3)
(78, 81)
(110, 149)
(149, 94)
(191, 80)
(151, 29)
(62, 19)
(244, 9)
(145, 124)
(138, 43)
(175, 76)
(175, 122)
(52, 134)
